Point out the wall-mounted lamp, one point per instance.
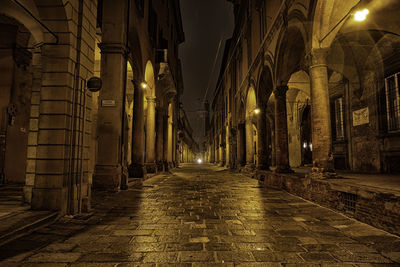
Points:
(358, 16)
(361, 15)
(144, 85)
(256, 111)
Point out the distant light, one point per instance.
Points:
(144, 85)
(304, 145)
(361, 15)
(310, 146)
(256, 111)
(199, 161)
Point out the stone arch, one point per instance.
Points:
(291, 52)
(265, 84)
(264, 137)
(251, 102)
(149, 78)
(327, 15)
(11, 9)
(297, 99)
(250, 115)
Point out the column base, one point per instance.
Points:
(170, 165)
(151, 167)
(263, 167)
(107, 177)
(250, 166)
(320, 173)
(124, 178)
(165, 166)
(286, 169)
(137, 170)
(160, 166)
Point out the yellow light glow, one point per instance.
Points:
(257, 111)
(361, 15)
(144, 85)
(199, 161)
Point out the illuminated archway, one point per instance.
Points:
(251, 113)
(170, 134)
(150, 107)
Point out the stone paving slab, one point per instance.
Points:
(204, 216)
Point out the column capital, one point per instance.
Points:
(281, 90)
(151, 99)
(113, 48)
(317, 57)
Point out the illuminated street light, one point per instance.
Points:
(361, 15)
(358, 16)
(199, 161)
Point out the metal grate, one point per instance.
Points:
(339, 118)
(349, 201)
(393, 102)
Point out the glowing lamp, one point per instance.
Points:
(361, 15)
(257, 111)
(199, 161)
(144, 85)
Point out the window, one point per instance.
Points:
(392, 93)
(339, 119)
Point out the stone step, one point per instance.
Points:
(24, 222)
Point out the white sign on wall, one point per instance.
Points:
(108, 103)
(361, 116)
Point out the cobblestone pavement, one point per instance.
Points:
(204, 216)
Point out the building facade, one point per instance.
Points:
(309, 83)
(188, 147)
(58, 138)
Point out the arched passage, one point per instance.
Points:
(241, 135)
(290, 58)
(170, 133)
(265, 88)
(299, 119)
(251, 131)
(150, 108)
(18, 67)
(362, 53)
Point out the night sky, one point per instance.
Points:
(205, 22)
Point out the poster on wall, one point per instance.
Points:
(361, 117)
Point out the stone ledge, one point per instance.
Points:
(379, 209)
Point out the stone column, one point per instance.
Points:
(240, 144)
(320, 113)
(166, 142)
(108, 169)
(160, 138)
(151, 135)
(281, 131)
(227, 147)
(137, 169)
(170, 142)
(249, 143)
(221, 150)
(212, 152)
(263, 151)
